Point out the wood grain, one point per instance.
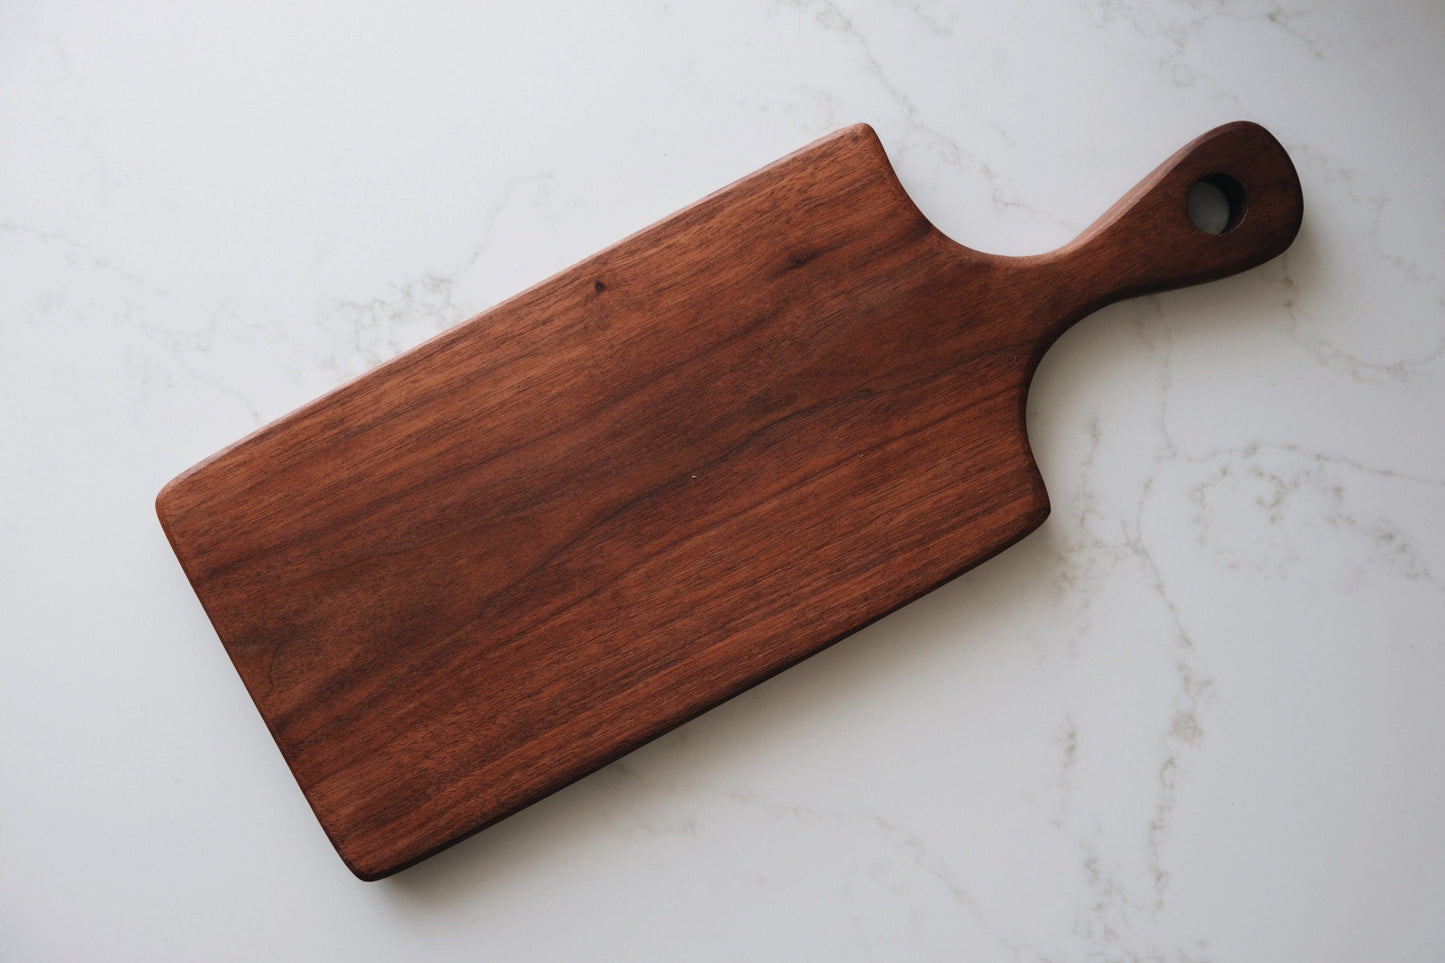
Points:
(560, 529)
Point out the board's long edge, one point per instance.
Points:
(1030, 523)
(441, 339)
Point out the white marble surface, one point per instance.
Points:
(1195, 717)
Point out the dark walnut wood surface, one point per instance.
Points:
(569, 524)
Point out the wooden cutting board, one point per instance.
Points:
(562, 528)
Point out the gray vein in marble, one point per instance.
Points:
(77, 252)
(179, 348)
(1183, 731)
(1175, 24)
(913, 848)
(1289, 472)
(1067, 740)
(1365, 194)
(1409, 271)
(922, 13)
(1388, 543)
(830, 16)
(1109, 912)
(383, 326)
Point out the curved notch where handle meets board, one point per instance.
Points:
(1147, 242)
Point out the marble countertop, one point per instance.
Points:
(1195, 717)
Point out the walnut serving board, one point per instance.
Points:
(560, 529)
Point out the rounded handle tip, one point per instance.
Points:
(1148, 241)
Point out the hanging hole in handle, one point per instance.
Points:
(1216, 203)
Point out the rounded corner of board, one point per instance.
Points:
(1039, 505)
(1041, 509)
(864, 130)
(166, 504)
(369, 867)
(165, 497)
(365, 872)
(866, 136)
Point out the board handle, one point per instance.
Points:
(1148, 242)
